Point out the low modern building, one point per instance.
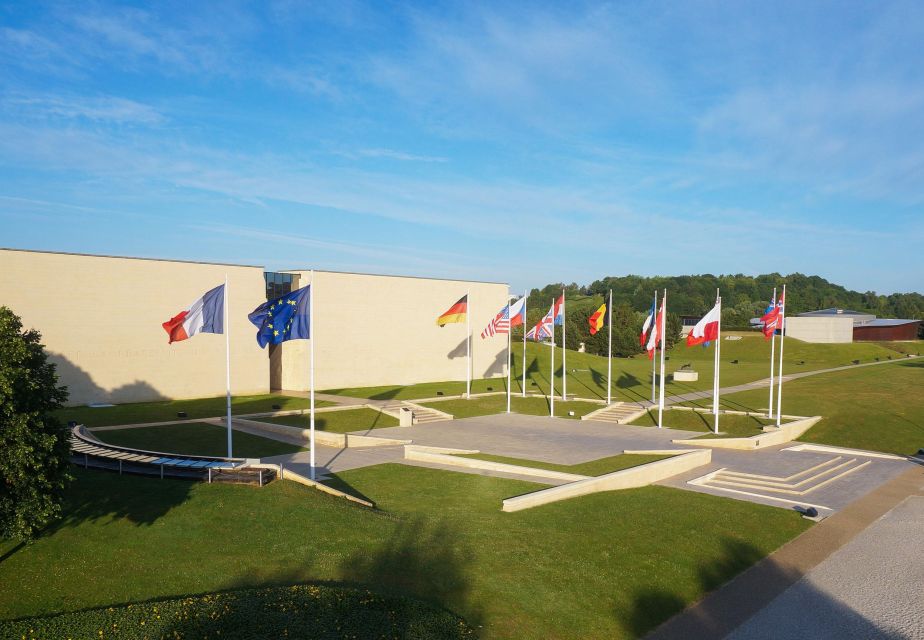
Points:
(100, 318)
(844, 325)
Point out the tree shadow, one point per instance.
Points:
(420, 561)
(756, 584)
(82, 389)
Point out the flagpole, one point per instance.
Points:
(227, 327)
(654, 362)
(772, 358)
(609, 355)
(779, 393)
(311, 337)
(525, 300)
(509, 360)
(552, 375)
(718, 362)
(663, 344)
(564, 353)
(468, 344)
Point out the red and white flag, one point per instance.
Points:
(655, 337)
(707, 329)
(773, 319)
(205, 315)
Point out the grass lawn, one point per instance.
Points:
(592, 468)
(877, 408)
(195, 439)
(533, 406)
(632, 376)
(141, 412)
(343, 421)
(730, 426)
(609, 565)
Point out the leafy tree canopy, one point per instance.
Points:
(34, 445)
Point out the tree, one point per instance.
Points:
(673, 331)
(34, 446)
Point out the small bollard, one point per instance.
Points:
(210, 475)
(261, 477)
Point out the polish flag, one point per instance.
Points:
(655, 338)
(205, 315)
(518, 312)
(707, 329)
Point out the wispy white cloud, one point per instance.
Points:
(93, 108)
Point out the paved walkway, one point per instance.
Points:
(849, 595)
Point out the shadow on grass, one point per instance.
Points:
(715, 617)
(336, 482)
(421, 561)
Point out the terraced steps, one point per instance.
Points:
(616, 413)
(422, 414)
(797, 484)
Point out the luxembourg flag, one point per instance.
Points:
(558, 310)
(518, 312)
(205, 315)
(655, 337)
(707, 329)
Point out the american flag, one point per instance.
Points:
(500, 324)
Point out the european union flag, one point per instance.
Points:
(285, 318)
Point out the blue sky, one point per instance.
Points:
(519, 142)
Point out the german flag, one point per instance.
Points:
(596, 321)
(455, 313)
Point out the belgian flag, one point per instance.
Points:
(455, 313)
(597, 320)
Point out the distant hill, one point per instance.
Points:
(743, 297)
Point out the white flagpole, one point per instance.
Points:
(227, 327)
(718, 362)
(552, 375)
(468, 344)
(654, 361)
(564, 352)
(509, 341)
(779, 393)
(772, 358)
(609, 355)
(663, 344)
(524, 343)
(311, 335)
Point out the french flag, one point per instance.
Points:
(707, 329)
(518, 312)
(205, 315)
(648, 321)
(655, 337)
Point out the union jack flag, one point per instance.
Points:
(500, 324)
(773, 317)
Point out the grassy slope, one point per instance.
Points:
(533, 406)
(592, 468)
(340, 421)
(141, 412)
(195, 439)
(729, 425)
(632, 376)
(879, 408)
(643, 554)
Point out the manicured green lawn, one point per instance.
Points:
(879, 408)
(591, 468)
(343, 421)
(730, 426)
(530, 405)
(142, 412)
(632, 376)
(609, 565)
(196, 439)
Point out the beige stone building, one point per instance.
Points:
(100, 319)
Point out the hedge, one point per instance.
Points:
(299, 611)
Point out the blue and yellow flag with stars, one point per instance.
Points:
(285, 318)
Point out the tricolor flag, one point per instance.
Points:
(205, 315)
(558, 310)
(707, 329)
(647, 325)
(597, 320)
(655, 337)
(772, 318)
(285, 318)
(500, 324)
(518, 312)
(455, 313)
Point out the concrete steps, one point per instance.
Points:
(797, 484)
(616, 413)
(422, 415)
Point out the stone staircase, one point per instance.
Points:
(616, 413)
(795, 485)
(422, 415)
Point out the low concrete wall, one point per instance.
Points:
(412, 452)
(632, 478)
(287, 474)
(786, 433)
(339, 440)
